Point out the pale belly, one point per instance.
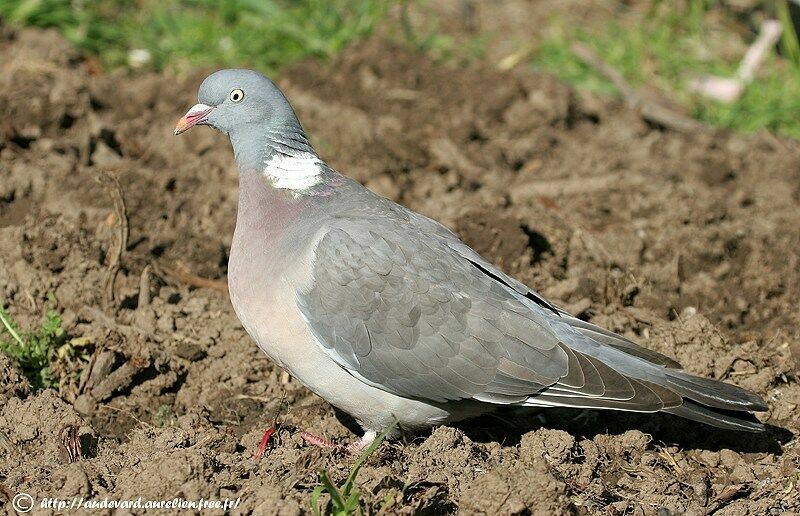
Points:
(290, 344)
(268, 311)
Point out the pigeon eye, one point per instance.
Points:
(237, 95)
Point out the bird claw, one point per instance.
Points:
(356, 446)
(361, 443)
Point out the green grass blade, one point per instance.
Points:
(366, 453)
(315, 494)
(353, 504)
(6, 319)
(789, 36)
(337, 500)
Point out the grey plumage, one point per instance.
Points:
(381, 310)
(406, 306)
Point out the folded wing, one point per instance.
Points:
(421, 315)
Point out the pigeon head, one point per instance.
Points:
(238, 100)
(261, 124)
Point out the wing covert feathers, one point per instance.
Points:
(406, 307)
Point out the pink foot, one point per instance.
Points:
(356, 446)
(362, 442)
(262, 448)
(264, 442)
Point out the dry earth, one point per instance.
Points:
(686, 243)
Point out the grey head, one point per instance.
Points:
(252, 111)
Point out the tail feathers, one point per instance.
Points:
(713, 393)
(609, 338)
(733, 413)
(727, 419)
(646, 397)
(619, 374)
(614, 379)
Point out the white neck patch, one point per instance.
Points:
(293, 172)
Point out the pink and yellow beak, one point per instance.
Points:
(197, 114)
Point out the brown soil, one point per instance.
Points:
(686, 243)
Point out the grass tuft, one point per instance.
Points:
(181, 34)
(34, 350)
(673, 43)
(345, 500)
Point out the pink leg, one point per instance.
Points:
(317, 440)
(272, 429)
(264, 442)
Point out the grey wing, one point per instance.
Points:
(411, 318)
(588, 329)
(406, 314)
(400, 302)
(377, 209)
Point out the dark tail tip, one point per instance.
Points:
(714, 393)
(720, 418)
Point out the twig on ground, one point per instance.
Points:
(7, 493)
(98, 369)
(513, 59)
(648, 110)
(260, 399)
(31, 301)
(730, 89)
(7, 445)
(667, 457)
(123, 229)
(71, 442)
(144, 287)
(119, 379)
(129, 331)
(87, 371)
(728, 494)
(127, 413)
(182, 275)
